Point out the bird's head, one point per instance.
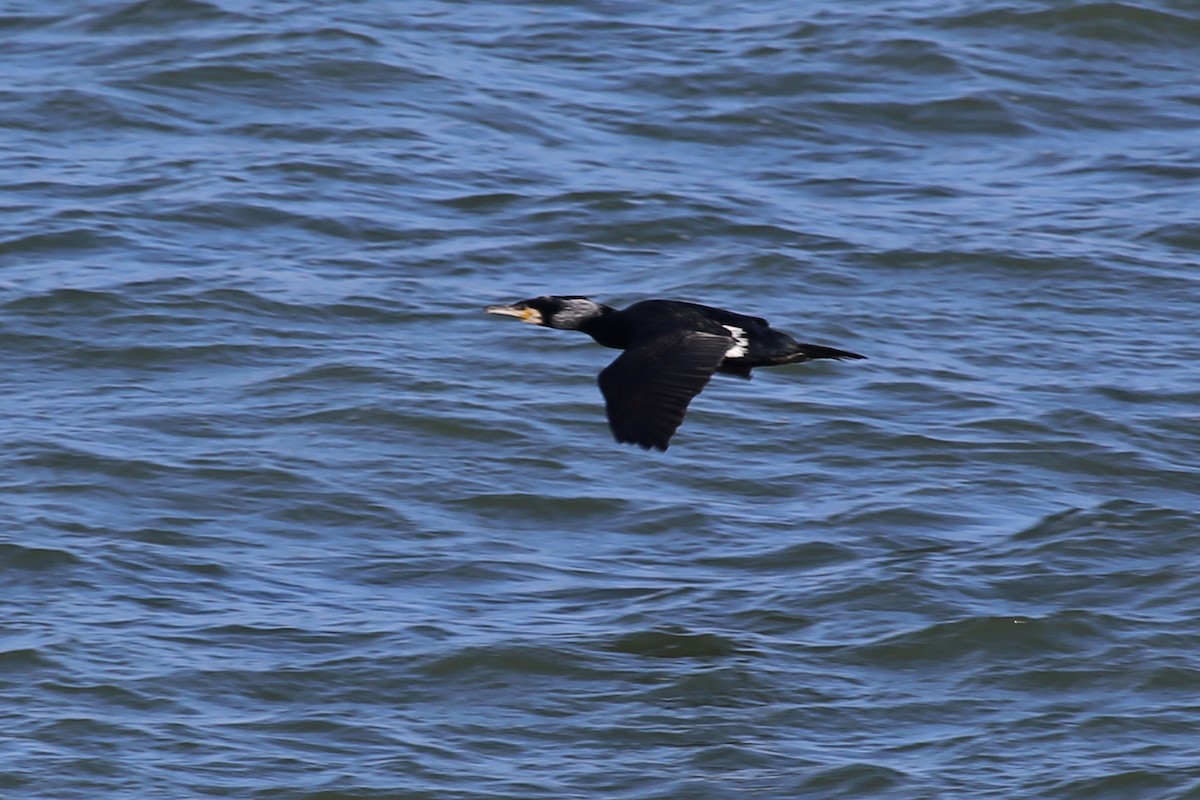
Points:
(552, 311)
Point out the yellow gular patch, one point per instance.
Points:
(525, 314)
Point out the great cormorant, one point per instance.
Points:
(672, 349)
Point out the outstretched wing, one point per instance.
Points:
(648, 388)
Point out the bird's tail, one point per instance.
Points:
(808, 352)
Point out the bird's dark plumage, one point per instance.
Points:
(672, 349)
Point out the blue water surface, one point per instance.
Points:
(286, 515)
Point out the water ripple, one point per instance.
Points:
(286, 513)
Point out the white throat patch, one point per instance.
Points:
(574, 312)
(741, 342)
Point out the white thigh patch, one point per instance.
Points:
(741, 342)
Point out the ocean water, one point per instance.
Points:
(285, 515)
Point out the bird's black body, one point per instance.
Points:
(672, 349)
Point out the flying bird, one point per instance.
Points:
(672, 349)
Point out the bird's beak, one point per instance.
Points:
(523, 313)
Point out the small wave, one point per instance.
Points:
(989, 639)
(984, 112)
(852, 780)
(530, 507)
(74, 460)
(34, 559)
(62, 241)
(1120, 23)
(1120, 517)
(804, 556)
(676, 643)
(1120, 784)
(154, 15)
(492, 662)
(20, 659)
(56, 303)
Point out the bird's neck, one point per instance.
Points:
(608, 329)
